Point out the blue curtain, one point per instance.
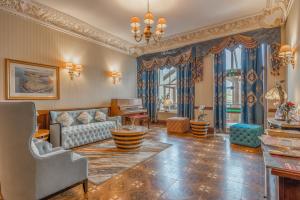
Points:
(185, 91)
(148, 92)
(220, 91)
(253, 61)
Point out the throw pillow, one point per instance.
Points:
(65, 119)
(100, 116)
(84, 118)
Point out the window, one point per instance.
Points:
(167, 89)
(233, 85)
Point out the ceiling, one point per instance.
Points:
(113, 16)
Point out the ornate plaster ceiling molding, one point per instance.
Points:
(274, 15)
(65, 23)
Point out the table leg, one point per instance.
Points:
(267, 187)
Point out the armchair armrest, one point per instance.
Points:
(116, 119)
(63, 171)
(55, 134)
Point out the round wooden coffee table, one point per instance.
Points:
(129, 138)
(199, 128)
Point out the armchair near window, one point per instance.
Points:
(26, 174)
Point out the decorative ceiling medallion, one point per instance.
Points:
(274, 15)
(66, 23)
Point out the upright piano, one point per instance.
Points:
(127, 107)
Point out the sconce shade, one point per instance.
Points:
(69, 65)
(285, 50)
(78, 68)
(115, 74)
(74, 70)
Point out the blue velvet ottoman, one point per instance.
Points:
(246, 134)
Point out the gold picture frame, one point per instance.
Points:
(31, 81)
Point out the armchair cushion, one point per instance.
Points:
(41, 147)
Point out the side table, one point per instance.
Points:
(42, 134)
(199, 128)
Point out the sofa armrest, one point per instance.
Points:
(116, 119)
(55, 134)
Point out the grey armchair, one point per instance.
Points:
(24, 174)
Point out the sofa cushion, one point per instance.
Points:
(84, 117)
(100, 116)
(65, 119)
(78, 135)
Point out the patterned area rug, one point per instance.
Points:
(106, 161)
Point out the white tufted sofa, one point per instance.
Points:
(80, 134)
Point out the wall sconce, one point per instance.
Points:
(116, 76)
(286, 53)
(74, 69)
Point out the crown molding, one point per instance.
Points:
(65, 23)
(273, 15)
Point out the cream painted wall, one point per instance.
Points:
(204, 90)
(293, 39)
(25, 40)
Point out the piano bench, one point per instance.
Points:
(140, 118)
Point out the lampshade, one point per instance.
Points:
(135, 22)
(168, 102)
(149, 18)
(275, 94)
(135, 29)
(162, 23)
(285, 50)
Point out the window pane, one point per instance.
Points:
(228, 59)
(238, 57)
(168, 88)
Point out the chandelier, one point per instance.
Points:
(149, 21)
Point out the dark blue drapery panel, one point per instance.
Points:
(185, 91)
(148, 92)
(220, 91)
(253, 61)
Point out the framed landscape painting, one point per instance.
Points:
(31, 81)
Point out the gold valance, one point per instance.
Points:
(183, 58)
(247, 42)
